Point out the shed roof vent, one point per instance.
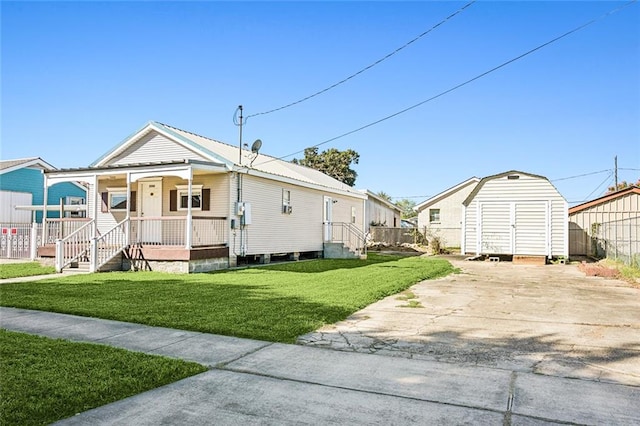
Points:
(513, 177)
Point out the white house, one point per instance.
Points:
(441, 215)
(380, 212)
(515, 213)
(168, 199)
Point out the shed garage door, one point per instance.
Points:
(531, 229)
(495, 228)
(520, 228)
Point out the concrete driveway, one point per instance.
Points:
(550, 320)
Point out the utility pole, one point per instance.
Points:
(615, 172)
(240, 145)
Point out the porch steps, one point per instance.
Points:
(79, 267)
(340, 251)
(84, 267)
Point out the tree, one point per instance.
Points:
(384, 196)
(332, 162)
(407, 208)
(622, 185)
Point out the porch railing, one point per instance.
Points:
(74, 247)
(108, 245)
(171, 231)
(58, 229)
(349, 235)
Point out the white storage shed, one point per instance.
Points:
(515, 213)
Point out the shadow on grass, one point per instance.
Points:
(249, 311)
(324, 265)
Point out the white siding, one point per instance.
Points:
(154, 148)
(217, 183)
(107, 220)
(272, 231)
(8, 201)
(532, 230)
(495, 229)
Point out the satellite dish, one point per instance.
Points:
(256, 146)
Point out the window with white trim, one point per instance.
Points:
(286, 201)
(353, 215)
(117, 199)
(183, 197)
(434, 215)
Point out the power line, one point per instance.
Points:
(577, 176)
(367, 67)
(504, 64)
(588, 197)
(411, 196)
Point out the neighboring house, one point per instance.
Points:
(409, 223)
(169, 199)
(515, 213)
(380, 212)
(22, 184)
(441, 215)
(606, 226)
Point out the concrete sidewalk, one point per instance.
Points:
(255, 382)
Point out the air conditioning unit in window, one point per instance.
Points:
(286, 209)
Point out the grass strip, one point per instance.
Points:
(45, 380)
(275, 303)
(24, 269)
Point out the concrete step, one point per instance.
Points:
(78, 267)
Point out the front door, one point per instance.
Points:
(151, 211)
(328, 206)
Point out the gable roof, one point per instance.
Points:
(230, 156)
(7, 166)
(381, 200)
(446, 193)
(633, 189)
(484, 180)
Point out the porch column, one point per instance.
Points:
(96, 202)
(189, 225)
(128, 216)
(45, 228)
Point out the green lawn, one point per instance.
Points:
(45, 380)
(24, 269)
(275, 303)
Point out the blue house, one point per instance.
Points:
(22, 184)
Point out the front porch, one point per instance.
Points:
(176, 244)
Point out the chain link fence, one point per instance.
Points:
(619, 240)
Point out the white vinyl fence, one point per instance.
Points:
(20, 240)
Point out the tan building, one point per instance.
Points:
(607, 226)
(441, 215)
(380, 212)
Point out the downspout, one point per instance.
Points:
(478, 228)
(463, 237)
(241, 217)
(565, 207)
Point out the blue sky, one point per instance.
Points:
(79, 77)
